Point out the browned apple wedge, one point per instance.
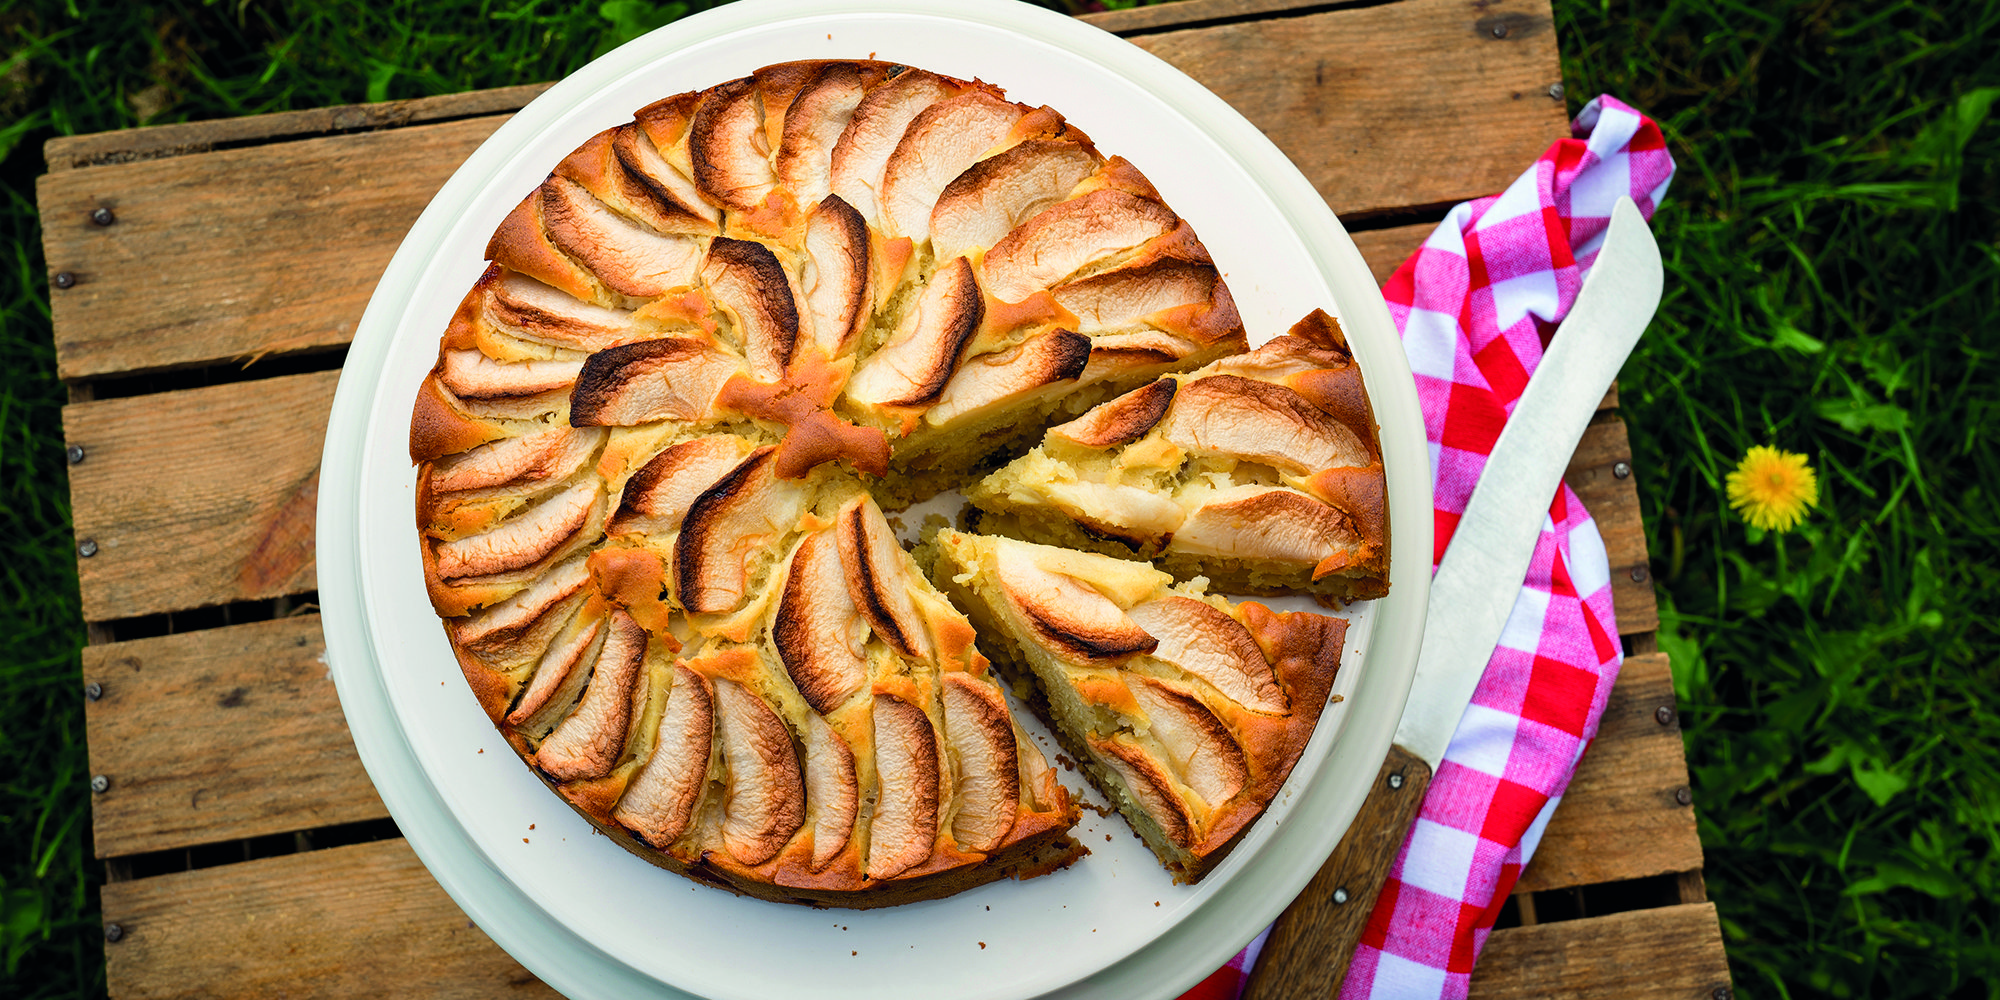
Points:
(1203, 641)
(727, 147)
(676, 204)
(528, 309)
(625, 257)
(990, 381)
(589, 742)
(1066, 613)
(904, 831)
(993, 196)
(1125, 297)
(557, 665)
(1247, 419)
(745, 510)
(818, 115)
(658, 496)
(671, 378)
(661, 798)
(836, 278)
(831, 790)
(818, 632)
(746, 279)
(1151, 788)
(912, 368)
(1266, 522)
(1199, 747)
(523, 539)
(874, 131)
(1063, 238)
(938, 145)
(987, 777)
(472, 374)
(526, 621)
(554, 454)
(1122, 420)
(766, 803)
(878, 577)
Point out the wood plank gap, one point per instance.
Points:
(184, 138)
(1191, 14)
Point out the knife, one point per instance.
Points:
(1472, 595)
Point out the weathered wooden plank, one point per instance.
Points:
(359, 921)
(182, 138)
(1620, 818)
(1383, 108)
(217, 735)
(1672, 953)
(199, 497)
(1613, 503)
(1418, 103)
(235, 254)
(1183, 13)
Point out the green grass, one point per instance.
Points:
(1834, 247)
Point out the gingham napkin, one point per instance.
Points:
(1475, 305)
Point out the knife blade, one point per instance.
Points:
(1472, 595)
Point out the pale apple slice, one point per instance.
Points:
(818, 115)
(523, 539)
(943, 140)
(728, 149)
(661, 798)
(745, 510)
(818, 632)
(528, 619)
(1200, 749)
(625, 257)
(831, 790)
(541, 457)
(1149, 785)
(1070, 616)
(766, 802)
(1244, 418)
(1209, 644)
(990, 381)
(658, 496)
(914, 366)
(986, 776)
(533, 311)
(1265, 522)
(1131, 514)
(557, 665)
(746, 279)
(904, 831)
(588, 743)
(671, 378)
(995, 195)
(1122, 420)
(1065, 237)
(836, 280)
(874, 131)
(473, 375)
(878, 577)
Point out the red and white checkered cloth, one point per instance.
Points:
(1476, 305)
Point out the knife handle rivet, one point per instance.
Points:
(1683, 796)
(1621, 469)
(1639, 573)
(1340, 895)
(1395, 781)
(1664, 715)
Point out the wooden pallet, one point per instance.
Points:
(202, 330)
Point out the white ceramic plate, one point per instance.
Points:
(592, 920)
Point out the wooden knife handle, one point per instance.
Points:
(1307, 953)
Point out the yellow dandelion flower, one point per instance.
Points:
(1773, 488)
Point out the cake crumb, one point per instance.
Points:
(854, 953)
(524, 840)
(982, 946)
(531, 826)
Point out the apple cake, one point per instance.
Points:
(1186, 710)
(712, 347)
